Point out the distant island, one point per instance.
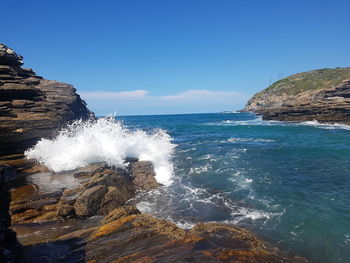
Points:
(322, 95)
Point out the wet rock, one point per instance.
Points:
(95, 190)
(89, 202)
(143, 175)
(70, 251)
(108, 177)
(119, 213)
(10, 249)
(7, 174)
(67, 201)
(143, 238)
(126, 235)
(66, 210)
(115, 197)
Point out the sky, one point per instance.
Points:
(137, 57)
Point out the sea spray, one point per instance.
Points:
(105, 140)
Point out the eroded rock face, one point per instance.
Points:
(32, 107)
(330, 105)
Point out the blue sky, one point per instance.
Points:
(179, 56)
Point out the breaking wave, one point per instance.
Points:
(105, 140)
(260, 122)
(326, 126)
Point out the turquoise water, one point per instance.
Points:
(289, 183)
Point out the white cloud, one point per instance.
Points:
(200, 95)
(141, 102)
(115, 95)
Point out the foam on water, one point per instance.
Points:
(258, 121)
(234, 140)
(105, 140)
(327, 126)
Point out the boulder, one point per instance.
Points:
(143, 175)
(88, 203)
(115, 197)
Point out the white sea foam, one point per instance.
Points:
(200, 169)
(104, 140)
(182, 223)
(260, 122)
(326, 126)
(234, 140)
(146, 207)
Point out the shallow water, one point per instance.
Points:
(288, 182)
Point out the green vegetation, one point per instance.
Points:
(310, 80)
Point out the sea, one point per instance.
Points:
(287, 182)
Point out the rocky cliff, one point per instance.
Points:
(322, 95)
(32, 107)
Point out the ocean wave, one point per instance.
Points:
(200, 169)
(260, 122)
(191, 205)
(105, 140)
(243, 214)
(326, 126)
(234, 140)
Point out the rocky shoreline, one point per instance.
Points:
(91, 221)
(85, 215)
(330, 104)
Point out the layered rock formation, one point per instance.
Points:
(322, 95)
(32, 107)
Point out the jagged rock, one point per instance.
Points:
(66, 210)
(67, 201)
(89, 202)
(143, 175)
(32, 107)
(98, 189)
(120, 212)
(9, 57)
(115, 197)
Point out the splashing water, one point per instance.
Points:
(105, 140)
